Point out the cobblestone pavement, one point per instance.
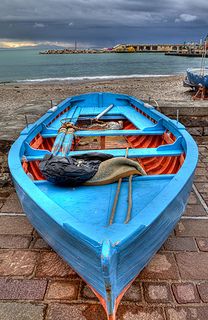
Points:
(36, 284)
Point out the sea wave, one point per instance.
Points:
(111, 77)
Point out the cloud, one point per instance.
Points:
(186, 18)
(16, 44)
(38, 25)
(103, 23)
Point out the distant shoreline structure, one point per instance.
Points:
(189, 49)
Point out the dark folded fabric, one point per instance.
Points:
(71, 171)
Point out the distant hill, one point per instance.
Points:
(38, 47)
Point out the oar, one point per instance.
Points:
(61, 136)
(58, 142)
(103, 112)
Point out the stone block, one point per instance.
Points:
(21, 311)
(63, 290)
(162, 266)
(192, 228)
(51, 265)
(12, 289)
(15, 225)
(17, 263)
(203, 291)
(14, 242)
(202, 244)
(185, 293)
(180, 244)
(187, 313)
(193, 265)
(157, 292)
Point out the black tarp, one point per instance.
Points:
(71, 171)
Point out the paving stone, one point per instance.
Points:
(202, 187)
(200, 178)
(133, 294)
(63, 290)
(180, 244)
(87, 293)
(193, 198)
(187, 313)
(202, 244)
(195, 210)
(51, 265)
(92, 312)
(162, 266)
(14, 242)
(157, 292)
(192, 228)
(12, 289)
(15, 225)
(21, 263)
(185, 293)
(21, 311)
(40, 244)
(12, 204)
(201, 171)
(75, 312)
(202, 149)
(13, 196)
(205, 196)
(139, 313)
(193, 265)
(203, 291)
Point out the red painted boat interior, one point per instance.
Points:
(151, 165)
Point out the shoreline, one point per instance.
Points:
(18, 95)
(90, 78)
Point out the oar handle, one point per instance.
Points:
(103, 112)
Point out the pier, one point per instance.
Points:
(190, 50)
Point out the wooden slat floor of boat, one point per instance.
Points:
(94, 143)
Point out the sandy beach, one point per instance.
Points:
(15, 95)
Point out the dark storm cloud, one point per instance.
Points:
(103, 22)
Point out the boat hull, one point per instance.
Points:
(139, 251)
(196, 79)
(75, 221)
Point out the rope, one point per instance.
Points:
(68, 125)
(115, 202)
(128, 216)
(157, 104)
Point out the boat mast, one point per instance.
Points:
(204, 53)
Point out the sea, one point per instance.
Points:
(27, 65)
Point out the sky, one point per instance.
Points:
(101, 23)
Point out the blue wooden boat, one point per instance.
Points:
(195, 77)
(76, 221)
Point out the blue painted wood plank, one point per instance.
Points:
(134, 153)
(99, 133)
